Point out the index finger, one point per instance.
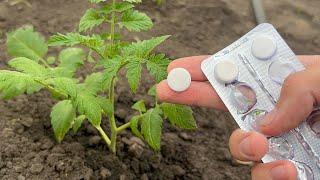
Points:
(191, 64)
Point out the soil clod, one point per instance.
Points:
(105, 173)
(36, 168)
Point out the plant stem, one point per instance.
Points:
(112, 26)
(114, 134)
(104, 135)
(113, 124)
(113, 19)
(45, 63)
(123, 127)
(51, 89)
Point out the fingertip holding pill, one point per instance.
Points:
(263, 47)
(226, 71)
(179, 79)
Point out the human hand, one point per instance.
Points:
(299, 94)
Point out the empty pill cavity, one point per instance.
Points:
(304, 171)
(279, 71)
(314, 123)
(243, 97)
(253, 118)
(263, 47)
(179, 79)
(279, 148)
(226, 71)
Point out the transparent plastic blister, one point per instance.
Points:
(264, 60)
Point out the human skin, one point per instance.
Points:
(299, 93)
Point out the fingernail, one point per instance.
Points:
(269, 118)
(279, 173)
(245, 147)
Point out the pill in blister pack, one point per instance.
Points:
(248, 75)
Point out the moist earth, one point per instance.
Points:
(28, 149)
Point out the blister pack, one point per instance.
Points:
(248, 76)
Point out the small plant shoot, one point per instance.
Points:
(92, 98)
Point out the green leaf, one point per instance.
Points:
(24, 42)
(94, 83)
(14, 83)
(112, 66)
(90, 19)
(62, 118)
(157, 66)
(70, 39)
(106, 105)
(133, 75)
(71, 59)
(119, 7)
(64, 85)
(133, 1)
(88, 105)
(151, 128)
(97, 1)
(90, 58)
(143, 48)
(135, 21)
(134, 125)
(77, 123)
(179, 115)
(61, 72)
(51, 60)
(28, 66)
(139, 106)
(153, 91)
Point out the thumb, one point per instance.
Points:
(299, 93)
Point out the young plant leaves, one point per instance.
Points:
(135, 21)
(135, 124)
(133, 75)
(93, 42)
(143, 48)
(96, 1)
(67, 86)
(151, 127)
(94, 83)
(24, 42)
(133, 1)
(139, 106)
(106, 106)
(62, 118)
(112, 66)
(89, 106)
(153, 91)
(77, 123)
(71, 59)
(157, 66)
(179, 115)
(90, 19)
(119, 7)
(51, 60)
(14, 83)
(28, 66)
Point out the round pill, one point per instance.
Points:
(226, 71)
(263, 47)
(279, 71)
(179, 79)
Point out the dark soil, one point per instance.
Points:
(27, 146)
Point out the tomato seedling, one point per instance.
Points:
(93, 97)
